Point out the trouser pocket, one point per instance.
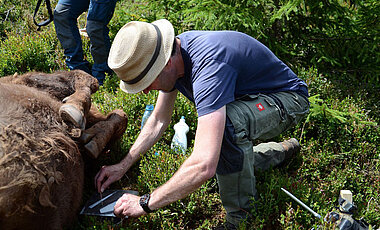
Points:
(257, 116)
(262, 117)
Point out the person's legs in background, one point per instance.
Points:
(99, 15)
(65, 21)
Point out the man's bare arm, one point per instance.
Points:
(200, 166)
(153, 129)
(149, 135)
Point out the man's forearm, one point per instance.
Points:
(153, 129)
(199, 167)
(189, 177)
(149, 135)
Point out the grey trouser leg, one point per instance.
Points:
(256, 117)
(238, 188)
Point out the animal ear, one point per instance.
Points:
(44, 198)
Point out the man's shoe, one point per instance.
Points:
(291, 147)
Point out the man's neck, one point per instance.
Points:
(180, 64)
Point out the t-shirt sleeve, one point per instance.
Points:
(213, 86)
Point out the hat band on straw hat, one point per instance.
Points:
(151, 62)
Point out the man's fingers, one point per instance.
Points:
(118, 209)
(120, 206)
(118, 203)
(105, 184)
(99, 179)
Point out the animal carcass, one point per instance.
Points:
(45, 120)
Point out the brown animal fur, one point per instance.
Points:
(41, 168)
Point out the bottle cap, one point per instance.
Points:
(149, 107)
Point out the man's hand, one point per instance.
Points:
(107, 175)
(128, 205)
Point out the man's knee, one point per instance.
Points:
(95, 29)
(61, 13)
(64, 24)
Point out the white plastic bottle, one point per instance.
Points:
(179, 142)
(148, 111)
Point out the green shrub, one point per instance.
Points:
(337, 37)
(35, 52)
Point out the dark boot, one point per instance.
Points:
(291, 147)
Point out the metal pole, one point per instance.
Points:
(301, 203)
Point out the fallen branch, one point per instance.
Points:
(8, 11)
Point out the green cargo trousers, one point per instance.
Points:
(253, 117)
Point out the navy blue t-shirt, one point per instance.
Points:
(221, 66)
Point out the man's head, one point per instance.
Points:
(140, 52)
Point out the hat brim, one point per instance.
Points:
(167, 32)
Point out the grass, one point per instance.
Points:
(340, 140)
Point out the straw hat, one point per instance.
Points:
(139, 52)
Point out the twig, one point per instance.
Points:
(369, 202)
(302, 130)
(8, 11)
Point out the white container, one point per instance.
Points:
(179, 142)
(148, 111)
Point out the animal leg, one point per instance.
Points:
(74, 88)
(60, 84)
(99, 135)
(78, 104)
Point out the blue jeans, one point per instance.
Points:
(99, 15)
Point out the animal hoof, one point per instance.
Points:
(92, 149)
(86, 137)
(73, 115)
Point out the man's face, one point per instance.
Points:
(163, 82)
(154, 86)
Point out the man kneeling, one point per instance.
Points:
(242, 92)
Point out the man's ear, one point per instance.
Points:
(169, 64)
